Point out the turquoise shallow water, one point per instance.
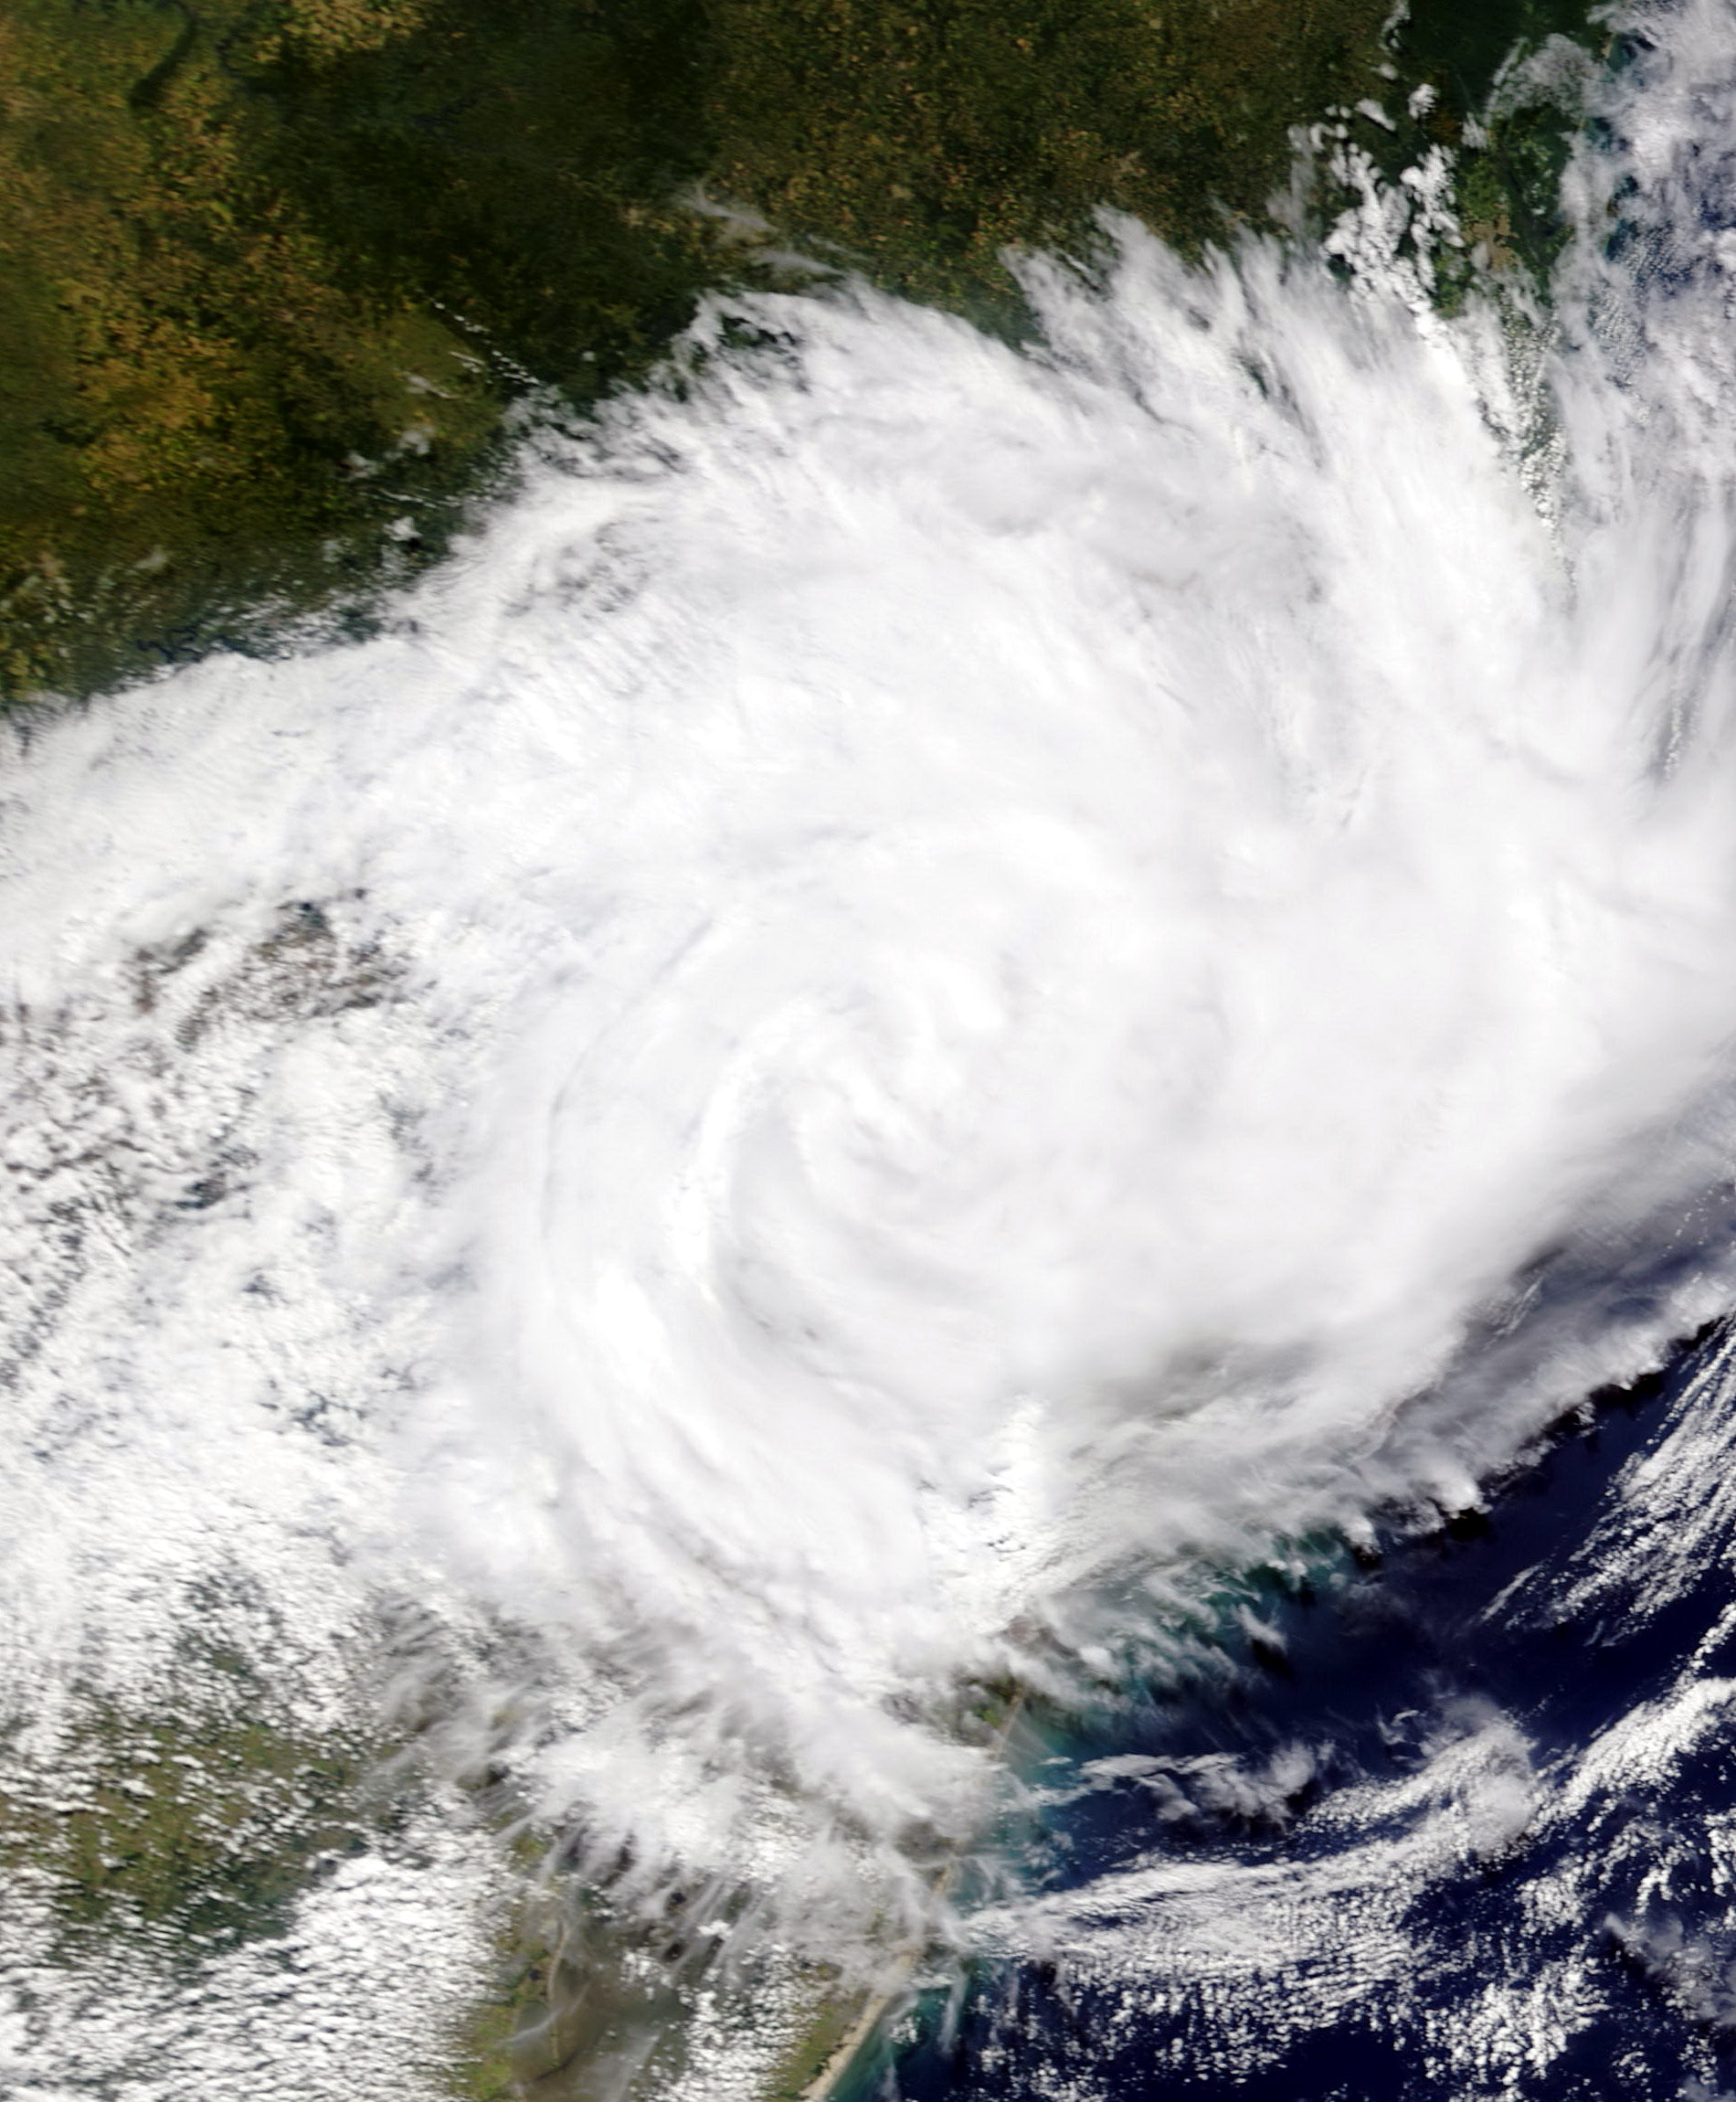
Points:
(1464, 1819)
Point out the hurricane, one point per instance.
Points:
(940, 993)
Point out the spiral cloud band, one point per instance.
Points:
(934, 987)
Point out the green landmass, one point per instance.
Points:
(271, 271)
(187, 1829)
(923, 140)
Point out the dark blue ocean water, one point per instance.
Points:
(1589, 1952)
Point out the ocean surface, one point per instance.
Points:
(935, 1206)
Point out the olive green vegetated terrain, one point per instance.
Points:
(186, 1833)
(270, 269)
(268, 274)
(928, 138)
